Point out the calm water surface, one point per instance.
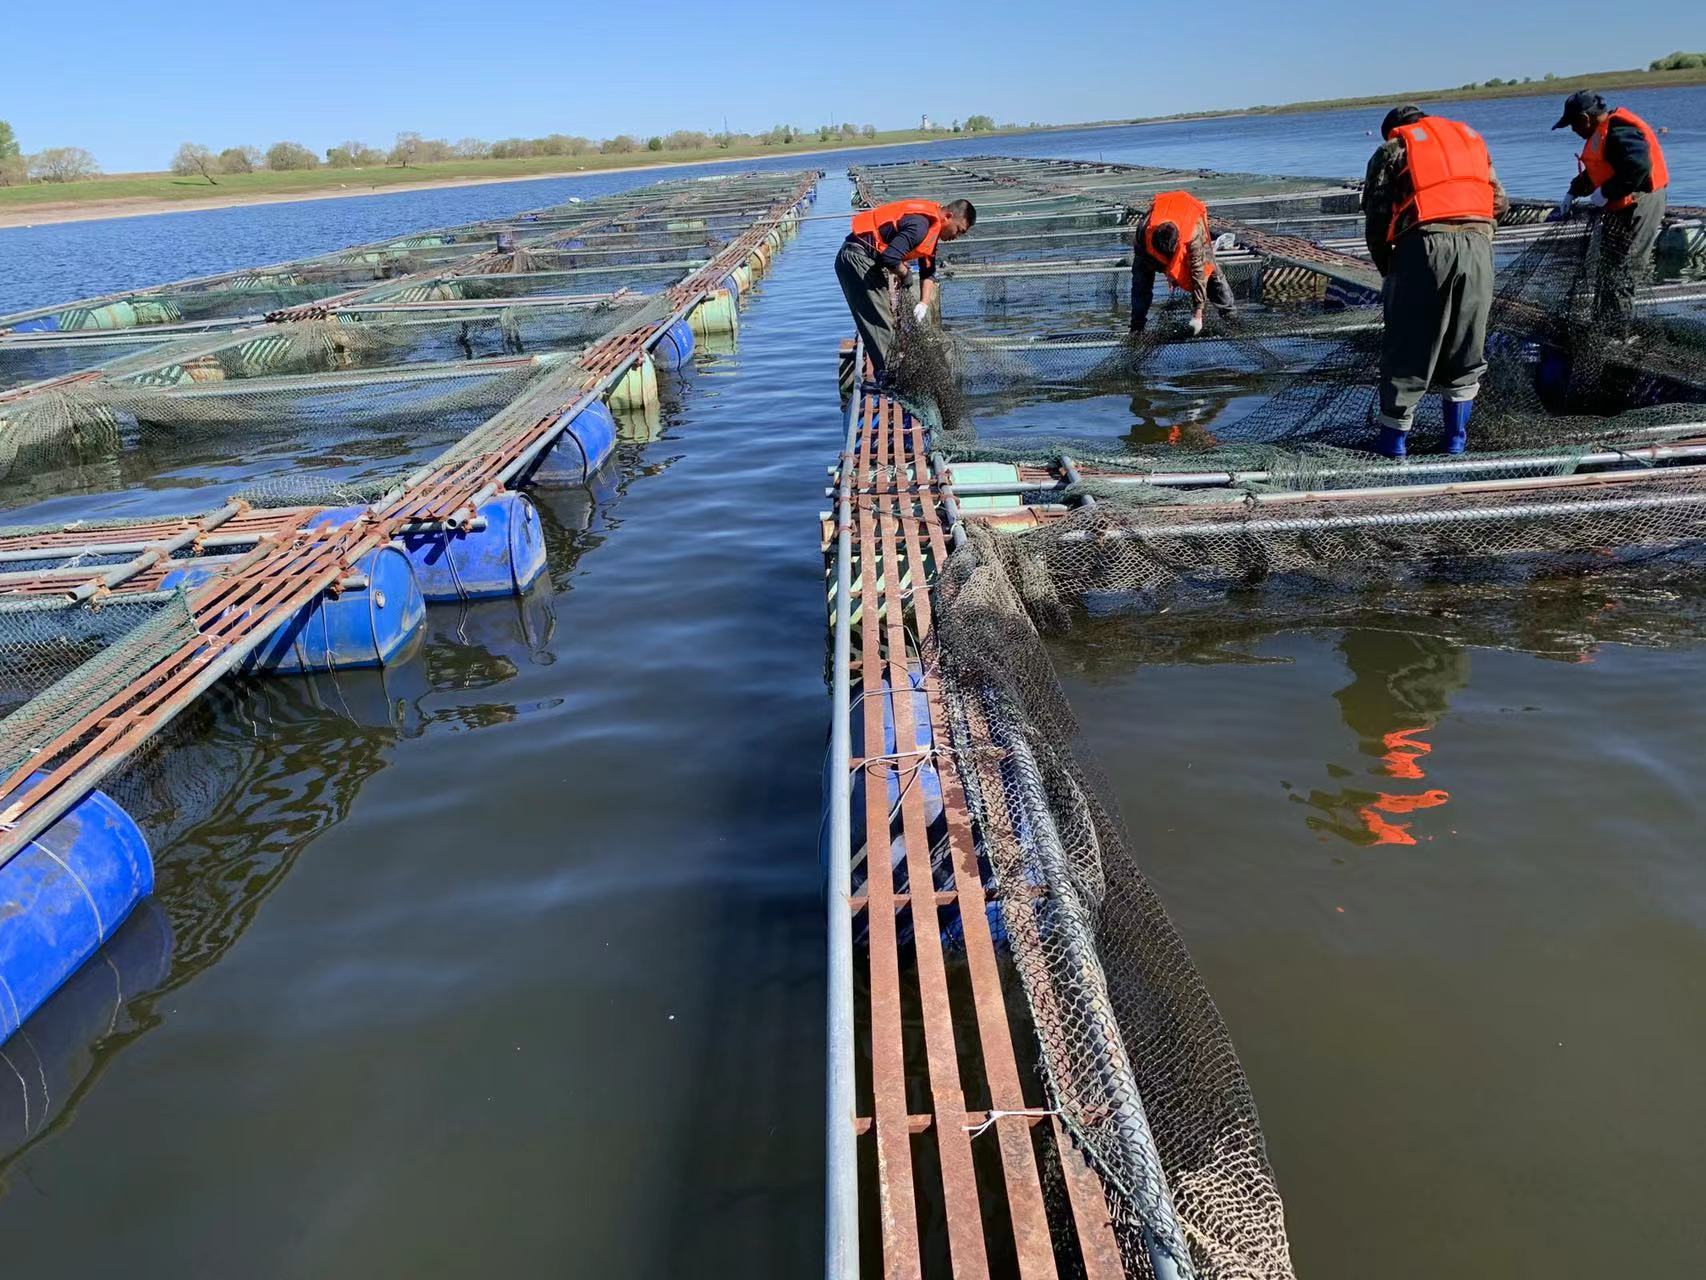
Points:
(510, 959)
(1450, 900)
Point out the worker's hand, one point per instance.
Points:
(1195, 326)
(1597, 199)
(1566, 206)
(921, 313)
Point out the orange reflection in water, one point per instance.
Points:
(1404, 751)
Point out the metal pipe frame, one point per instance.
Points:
(1405, 519)
(841, 1198)
(1464, 464)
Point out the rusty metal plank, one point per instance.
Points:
(1029, 1213)
(1096, 1243)
(959, 1178)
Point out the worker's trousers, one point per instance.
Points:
(1438, 293)
(866, 287)
(1623, 258)
(1143, 273)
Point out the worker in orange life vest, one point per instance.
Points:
(1173, 240)
(1430, 202)
(1623, 172)
(880, 246)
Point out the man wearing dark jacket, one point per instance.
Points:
(1623, 172)
(879, 246)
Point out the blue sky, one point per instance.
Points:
(129, 81)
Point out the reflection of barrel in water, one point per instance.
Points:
(482, 644)
(572, 509)
(639, 423)
(53, 1057)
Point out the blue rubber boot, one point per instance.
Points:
(1390, 442)
(1457, 424)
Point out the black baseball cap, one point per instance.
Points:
(1580, 103)
(1398, 117)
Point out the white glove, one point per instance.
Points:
(921, 313)
(1565, 206)
(1597, 199)
(1195, 326)
(1225, 242)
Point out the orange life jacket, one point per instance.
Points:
(1448, 166)
(1187, 213)
(1597, 167)
(879, 224)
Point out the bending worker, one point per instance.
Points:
(1623, 170)
(878, 248)
(1430, 202)
(1173, 239)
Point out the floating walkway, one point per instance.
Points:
(992, 1152)
(487, 358)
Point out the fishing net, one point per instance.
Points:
(62, 661)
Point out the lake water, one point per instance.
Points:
(509, 960)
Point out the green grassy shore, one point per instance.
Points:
(1559, 86)
(300, 183)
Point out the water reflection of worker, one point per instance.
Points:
(1172, 239)
(1623, 170)
(1401, 687)
(1399, 680)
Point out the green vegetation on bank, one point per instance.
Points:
(1687, 72)
(288, 169)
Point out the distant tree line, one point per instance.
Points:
(195, 160)
(53, 164)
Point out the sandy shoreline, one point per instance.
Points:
(42, 215)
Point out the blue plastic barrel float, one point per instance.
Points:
(352, 629)
(585, 443)
(61, 896)
(674, 347)
(500, 559)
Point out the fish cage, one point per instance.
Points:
(277, 471)
(1032, 463)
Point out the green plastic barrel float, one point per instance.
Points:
(637, 388)
(716, 315)
(114, 315)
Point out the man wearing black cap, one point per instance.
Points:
(1623, 170)
(1430, 201)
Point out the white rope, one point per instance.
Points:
(1032, 1113)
